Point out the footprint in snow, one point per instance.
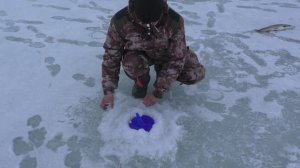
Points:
(88, 81)
(54, 69)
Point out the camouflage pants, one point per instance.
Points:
(136, 64)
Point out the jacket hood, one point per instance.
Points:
(133, 15)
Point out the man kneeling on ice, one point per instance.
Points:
(145, 33)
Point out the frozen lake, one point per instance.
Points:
(245, 114)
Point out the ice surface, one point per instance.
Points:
(245, 114)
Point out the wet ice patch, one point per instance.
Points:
(94, 6)
(37, 45)
(55, 143)
(94, 44)
(29, 148)
(88, 81)
(11, 28)
(79, 20)
(50, 6)
(21, 147)
(30, 42)
(220, 6)
(37, 136)
(211, 19)
(49, 39)
(54, 69)
(34, 121)
(255, 7)
(79, 76)
(33, 29)
(41, 35)
(80, 43)
(73, 159)
(285, 5)
(18, 39)
(209, 32)
(49, 60)
(72, 42)
(125, 143)
(28, 162)
(29, 21)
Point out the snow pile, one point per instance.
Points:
(120, 140)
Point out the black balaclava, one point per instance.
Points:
(148, 10)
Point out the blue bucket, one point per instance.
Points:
(141, 122)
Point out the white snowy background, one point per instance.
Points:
(245, 114)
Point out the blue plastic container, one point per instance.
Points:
(141, 122)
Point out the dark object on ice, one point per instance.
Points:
(274, 28)
(141, 122)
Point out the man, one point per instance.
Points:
(145, 33)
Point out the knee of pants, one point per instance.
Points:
(135, 63)
(192, 77)
(193, 71)
(200, 73)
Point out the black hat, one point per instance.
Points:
(148, 10)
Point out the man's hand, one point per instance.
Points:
(107, 100)
(150, 100)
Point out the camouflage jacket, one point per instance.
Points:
(167, 47)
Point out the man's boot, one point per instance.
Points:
(139, 89)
